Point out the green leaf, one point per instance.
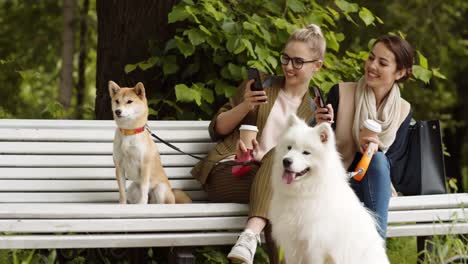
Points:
(262, 53)
(234, 44)
(185, 47)
(212, 11)
(249, 47)
(438, 74)
(206, 94)
(195, 36)
(185, 94)
(223, 88)
(346, 6)
(422, 74)
(296, 6)
(332, 42)
(235, 71)
(366, 16)
(192, 11)
(171, 44)
(280, 23)
(204, 29)
(253, 28)
(272, 61)
(153, 112)
(266, 35)
(422, 60)
(178, 13)
(144, 65)
(170, 65)
(230, 27)
(130, 67)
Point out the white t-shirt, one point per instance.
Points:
(276, 122)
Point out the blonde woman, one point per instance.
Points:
(302, 57)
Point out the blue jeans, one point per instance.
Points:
(374, 189)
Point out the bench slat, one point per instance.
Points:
(115, 210)
(119, 241)
(110, 124)
(75, 197)
(94, 135)
(82, 160)
(427, 229)
(434, 215)
(123, 225)
(95, 148)
(429, 201)
(79, 173)
(80, 185)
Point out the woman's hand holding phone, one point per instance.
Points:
(254, 98)
(323, 114)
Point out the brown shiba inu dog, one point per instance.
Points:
(135, 154)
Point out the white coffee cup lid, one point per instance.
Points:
(372, 126)
(248, 127)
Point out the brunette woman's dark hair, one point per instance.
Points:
(404, 53)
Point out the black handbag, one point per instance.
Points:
(420, 169)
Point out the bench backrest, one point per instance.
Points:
(71, 160)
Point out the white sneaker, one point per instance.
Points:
(244, 249)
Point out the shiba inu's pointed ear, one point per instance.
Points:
(113, 88)
(293, 120)
(325, 131)
(140, 90)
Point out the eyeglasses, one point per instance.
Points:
(297, 62)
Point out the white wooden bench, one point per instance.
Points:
(58, 190)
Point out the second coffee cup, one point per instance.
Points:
(247, 134)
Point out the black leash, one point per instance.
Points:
(172, 146)
(227, 162)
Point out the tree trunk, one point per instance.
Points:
(124, 30)
(83, 53)
(66, 76)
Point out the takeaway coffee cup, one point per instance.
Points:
(371, 128)
(247, 134)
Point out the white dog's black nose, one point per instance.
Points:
(287, 162)
(118, 112)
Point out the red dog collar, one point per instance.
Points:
(129, 132)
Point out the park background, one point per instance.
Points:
(56, 58)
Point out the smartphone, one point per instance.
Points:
(253, 73)
(318, 94)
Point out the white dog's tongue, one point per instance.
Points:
(288, 176)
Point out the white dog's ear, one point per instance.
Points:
(325, 132)
(140, 90)
(293, 120)
(113, 88)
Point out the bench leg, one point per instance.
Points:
(181, 255)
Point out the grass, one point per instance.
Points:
(400, 250)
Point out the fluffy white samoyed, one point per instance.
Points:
(315, 215)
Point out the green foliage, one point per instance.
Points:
(218, 255)
(28, 256)
(444, 248)
(216, 40)
(30, 59)
(402, 250)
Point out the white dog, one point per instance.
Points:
(315, 215)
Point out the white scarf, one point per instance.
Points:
(388, 114)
